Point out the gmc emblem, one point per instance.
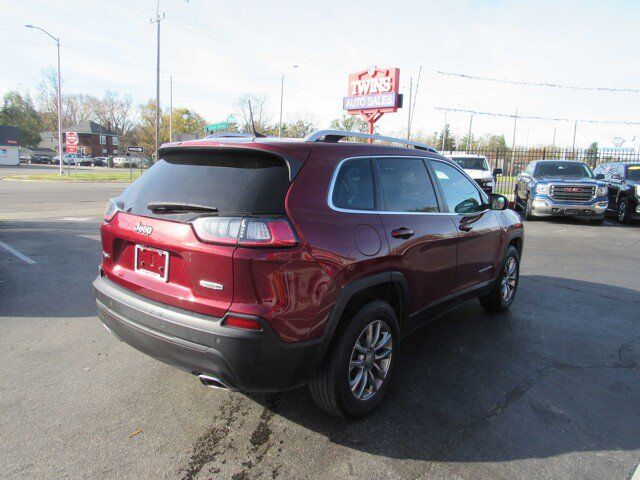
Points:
(143, 229)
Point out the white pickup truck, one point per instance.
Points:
(477, 166)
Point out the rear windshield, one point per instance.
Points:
(472, 163)
(232, 182)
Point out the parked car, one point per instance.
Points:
(101, 162)
(24, 159)
(623, 183)
(126, 161)
(477, 166)
(554, 188)
(84, 161)
(259, 264)
(40, 159)
(67, 159)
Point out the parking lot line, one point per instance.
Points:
(15, 252)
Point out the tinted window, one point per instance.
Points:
(232, 182)
(472, 163)
(562, 169)
(633, 172)
(406, 186)
(459, 192)
(353, 189)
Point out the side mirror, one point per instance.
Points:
(498, 202)
(616, 176)
(600, 176)
(497, 171)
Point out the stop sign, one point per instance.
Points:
(72, 138)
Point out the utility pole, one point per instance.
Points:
(170, 108)
(513, 141)
(282, 98)
(157, 21)
(409, 115)
(575, 128)
(469, 135)
(553, 145)
(57, 40)
(412, 106)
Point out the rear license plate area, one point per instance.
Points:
(152, 262)
(571, 211)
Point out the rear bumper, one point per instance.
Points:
(253, 361)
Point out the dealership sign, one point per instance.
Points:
(373, 91)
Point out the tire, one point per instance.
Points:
(528, 209)
(596, 221)
(516, 200)
(331, 387)
(623, 211)
(496, 300)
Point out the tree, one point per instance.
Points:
(261, 118)
(350, 123)
(299, 128)
(18, 111)
(187, 121)
(449, 140)
(76, 107)
(592, 151)
(117, 114)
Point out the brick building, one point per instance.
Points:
(94, 140)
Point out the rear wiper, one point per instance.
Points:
(179, 206)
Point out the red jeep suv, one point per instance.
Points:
(261, 264)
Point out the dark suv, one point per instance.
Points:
(261, 264)
(623, 183)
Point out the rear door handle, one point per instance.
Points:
(402, 233)
(465, 228)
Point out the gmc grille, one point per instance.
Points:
(576, 193)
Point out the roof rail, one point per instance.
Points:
(334, 136)
(231, 135)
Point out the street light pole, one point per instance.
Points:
(57, 40)
(157, 20)
(282, 98)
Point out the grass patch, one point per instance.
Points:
(116, 176)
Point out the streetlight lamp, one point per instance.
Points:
(282, 97)
(57, 40)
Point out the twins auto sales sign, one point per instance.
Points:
(373, 91)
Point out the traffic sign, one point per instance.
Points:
(72, 138)
(72, 148)
(135, 149)
(216, 127)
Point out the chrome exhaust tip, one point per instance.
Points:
(212, 382)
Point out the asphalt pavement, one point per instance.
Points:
(548, 390)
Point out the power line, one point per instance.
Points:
(538, 84)
(536, 117)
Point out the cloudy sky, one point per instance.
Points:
(216, 50)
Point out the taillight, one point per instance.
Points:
(241, 322)
(114, 205)
(246, 232)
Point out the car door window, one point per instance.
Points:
(353, 187)
(406, 185)
(459, 192)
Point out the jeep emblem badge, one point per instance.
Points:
(143, 229)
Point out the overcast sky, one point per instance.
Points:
(217, 50)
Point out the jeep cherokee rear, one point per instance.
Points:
(260, 265)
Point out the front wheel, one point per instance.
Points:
(506, 286)
(359, 365)
(528, 209)
(623, 211)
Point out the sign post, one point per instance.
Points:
(136, 150)
(71, 139)
(372, 93)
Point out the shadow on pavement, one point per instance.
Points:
(558, 373)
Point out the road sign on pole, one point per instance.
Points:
(136, 149)
(71, 139)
